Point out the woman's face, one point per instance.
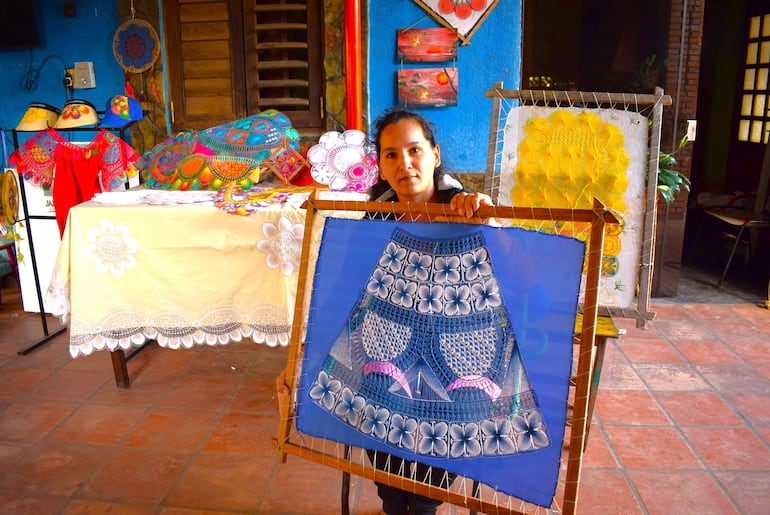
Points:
(407, 161)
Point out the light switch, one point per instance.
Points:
(84, 75)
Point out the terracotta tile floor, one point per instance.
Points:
(682, 424)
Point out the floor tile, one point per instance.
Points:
(671, 377)
(292, 477)
(735, 378)
(598, 453)
(16, 381)
(98, 424)
(137, 475)
(707, 353)
(649, 351)
(157, 360)
(684, 330)
(634, 408)
(31, 420)
(30, 505)
(606, 492)
(650, 447)
(732, 449)
(88, 507)
(71, 385)
(55, 468)
(755, 353)
(200, 392)
(620, 376)
(244, 433)
(255, 395)
(231, 360)
(165, 428)
(224, 482)
(755, 408)
(145, 391)
(748, 489)
(736, 332)
(664, 493)
(697, 409)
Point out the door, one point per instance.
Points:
(228, 59)
(752, 124)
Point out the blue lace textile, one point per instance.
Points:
(428, 361)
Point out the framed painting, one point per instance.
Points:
(427, 87)
(427, 45)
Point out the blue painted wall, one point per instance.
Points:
(85, 37)
(494, 54)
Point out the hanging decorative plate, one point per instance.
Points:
(344, 162)
(136, 46)
(9, 198)
(464, 15)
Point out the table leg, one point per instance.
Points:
(119, 368)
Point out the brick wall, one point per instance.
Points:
(682, 77)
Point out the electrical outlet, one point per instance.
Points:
(84, 77)
(69, 79)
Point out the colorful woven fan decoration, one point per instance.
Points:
(236, 152)
(344, 161)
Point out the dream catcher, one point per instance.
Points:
(136, 47)
(9, 202)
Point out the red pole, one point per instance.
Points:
(353, 78)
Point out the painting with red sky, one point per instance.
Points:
(427, 45)
(427, 87)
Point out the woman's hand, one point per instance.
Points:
(466, 205)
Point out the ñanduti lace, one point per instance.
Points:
(428, 361)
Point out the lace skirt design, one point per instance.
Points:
(427, 361)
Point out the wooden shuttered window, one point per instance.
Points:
(229, 59)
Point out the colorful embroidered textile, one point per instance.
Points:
(454, 351)
(430, 343)
(35, 158)
(231, 153)
(563, 158)
(78, 169)
(235, 200)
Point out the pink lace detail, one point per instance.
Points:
(481, 383)
(389, 369)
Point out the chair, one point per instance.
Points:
(8, 264)
(742, 218)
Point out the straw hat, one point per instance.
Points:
(77, 113)
(38, 117)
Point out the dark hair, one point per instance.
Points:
(395, 115)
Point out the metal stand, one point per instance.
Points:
(27, 217)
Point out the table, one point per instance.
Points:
(186, 275)
(182, 275)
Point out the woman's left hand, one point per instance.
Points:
(467, 204)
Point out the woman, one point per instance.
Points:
(409, 161)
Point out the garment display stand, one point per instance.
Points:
(47, 335)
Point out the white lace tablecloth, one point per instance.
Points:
(182, 274)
